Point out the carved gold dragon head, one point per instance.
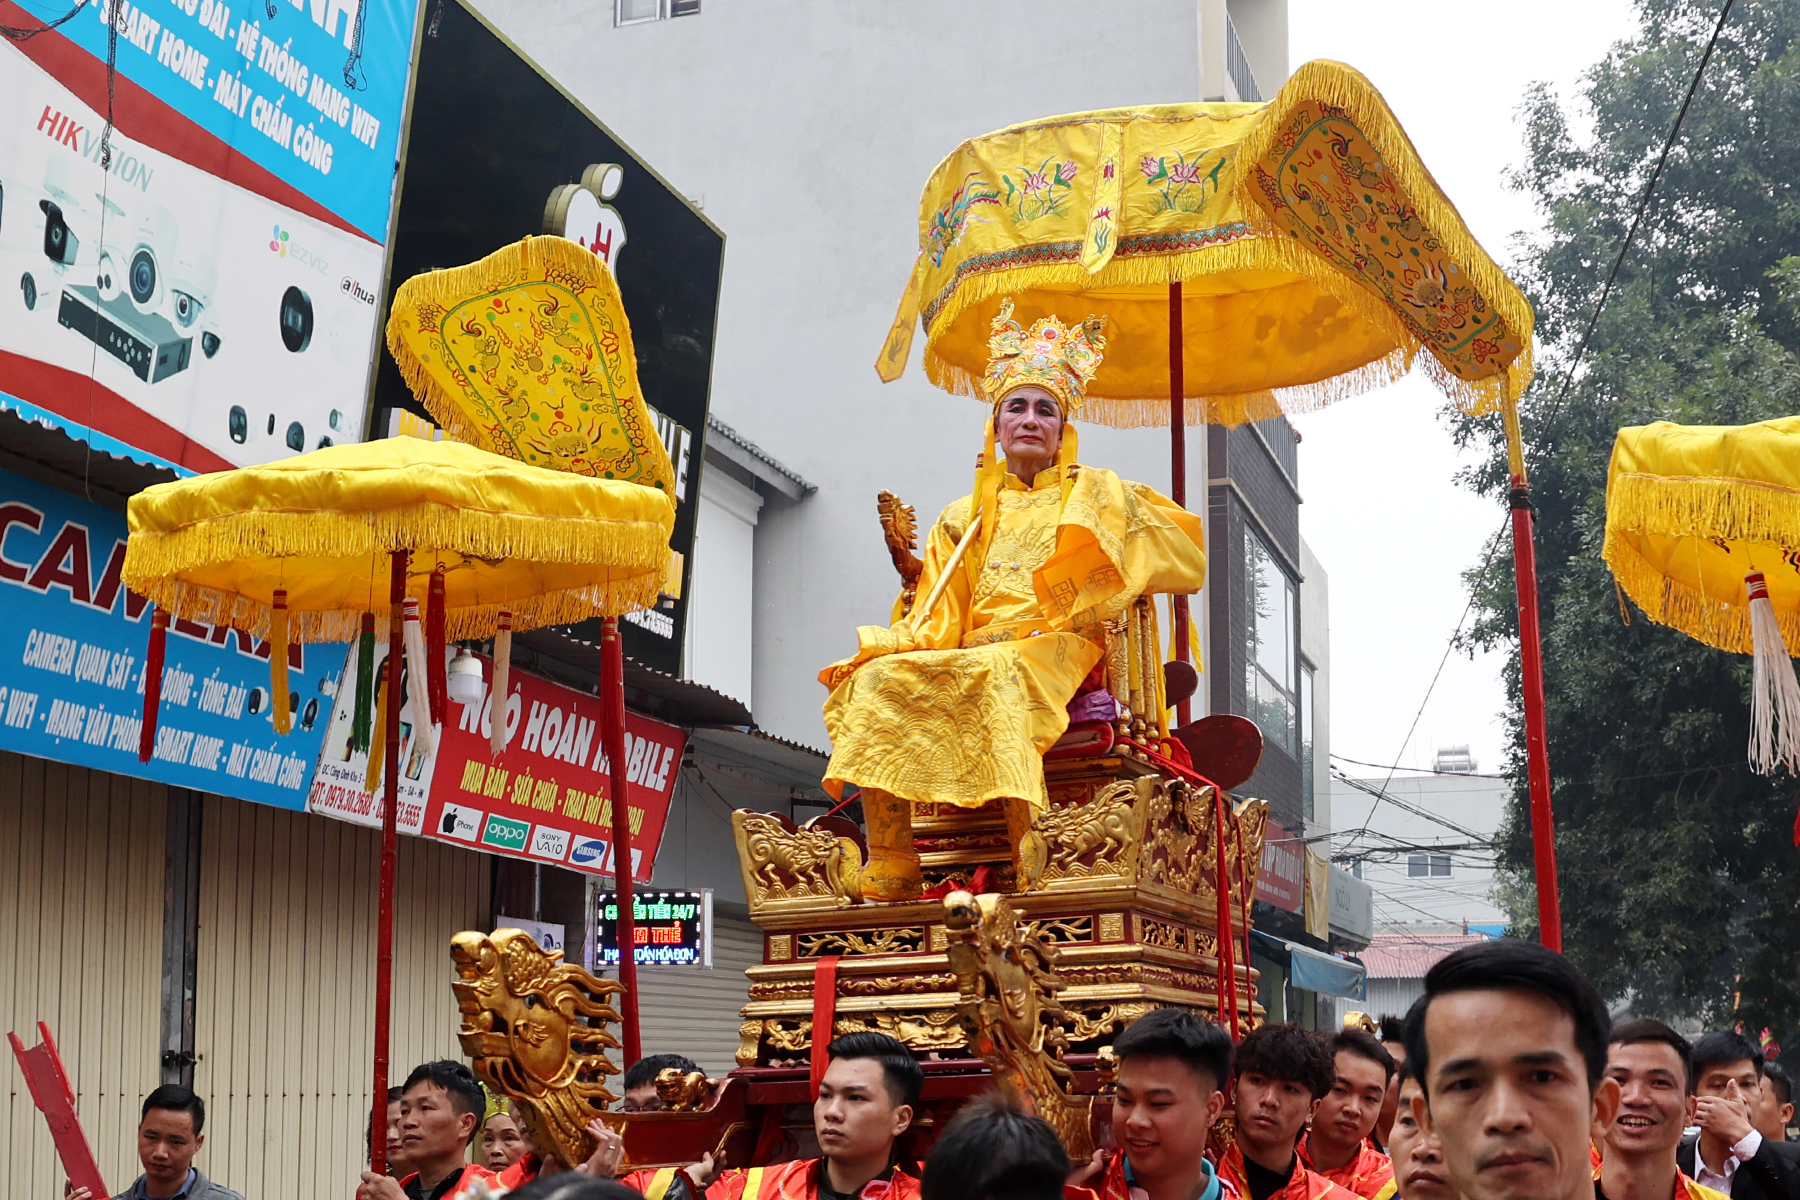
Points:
(535, 1027)
(1007, 1003)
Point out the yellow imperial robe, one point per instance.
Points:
(961, 708)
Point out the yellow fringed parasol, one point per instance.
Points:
(1703, 534)
(547, 546)
(1315, 255)
(302, 548)
(528, 353)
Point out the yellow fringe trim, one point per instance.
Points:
(211, 606)
(1261, 250)
(526, 259)
(1733, 510)
(423, 528)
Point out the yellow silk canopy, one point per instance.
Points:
(528, 353)
(548, 546)
(1692, 509)
(1316, 255)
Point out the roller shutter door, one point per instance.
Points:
(284, 1023)
(683, 1010)
(81, 916)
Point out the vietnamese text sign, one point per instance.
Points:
(73, 646)
(1281, 880)
(670, 929)
(200, 283)
(546, 799)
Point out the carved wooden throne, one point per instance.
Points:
(1127, 895)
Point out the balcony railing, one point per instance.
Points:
(1237, 65)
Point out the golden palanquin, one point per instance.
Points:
(1127, 905)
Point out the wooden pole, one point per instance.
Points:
(390, 844)
(1178, 472)
(612, 721)
(1531, 668)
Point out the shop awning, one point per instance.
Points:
(1314, 972)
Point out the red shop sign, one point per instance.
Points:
(1281, 880)
(549, 796)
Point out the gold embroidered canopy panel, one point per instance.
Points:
(1317, 256)
(528, 353)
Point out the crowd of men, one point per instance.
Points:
(1507, 1080)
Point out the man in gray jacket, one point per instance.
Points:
(169, 1135)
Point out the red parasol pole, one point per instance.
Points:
(612, 721)
(1531, 663)
(390, 844)
(1178, 472)
(1537, 750)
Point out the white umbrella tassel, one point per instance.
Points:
(418, 685)
(1775, 701)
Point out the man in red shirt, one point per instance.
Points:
(1337, 1146)
(1173, 1067)
(1649, 1062)
(1419, 1171)
(440, 1108)
(1509, 1045)
(865, 1103)
(1282, 1072)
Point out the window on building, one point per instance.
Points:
(1272, 658)
(1436, 866)
(1307, 751)
(635, 12)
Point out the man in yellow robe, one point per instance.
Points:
(957, 701)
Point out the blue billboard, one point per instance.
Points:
(72, 652)
(313, 91)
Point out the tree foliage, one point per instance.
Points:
(1680, 882)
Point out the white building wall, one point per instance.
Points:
(720, 629)
(1474, 804)
(806, 129)
(1315, 648)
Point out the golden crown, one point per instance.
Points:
(1060, 359)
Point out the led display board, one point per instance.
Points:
(673, 929)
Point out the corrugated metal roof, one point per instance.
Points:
(1410, 955)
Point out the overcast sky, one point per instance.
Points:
(1382, 511)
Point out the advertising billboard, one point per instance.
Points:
(199, 282)
(546, 799)
(528, 159)
(73, 649)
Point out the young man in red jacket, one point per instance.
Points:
(1337, 1146)
(865, 1103)
(1282, 1072)
(1173, 1067)
(440, 1108)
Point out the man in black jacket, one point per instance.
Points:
(1730, 1155)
